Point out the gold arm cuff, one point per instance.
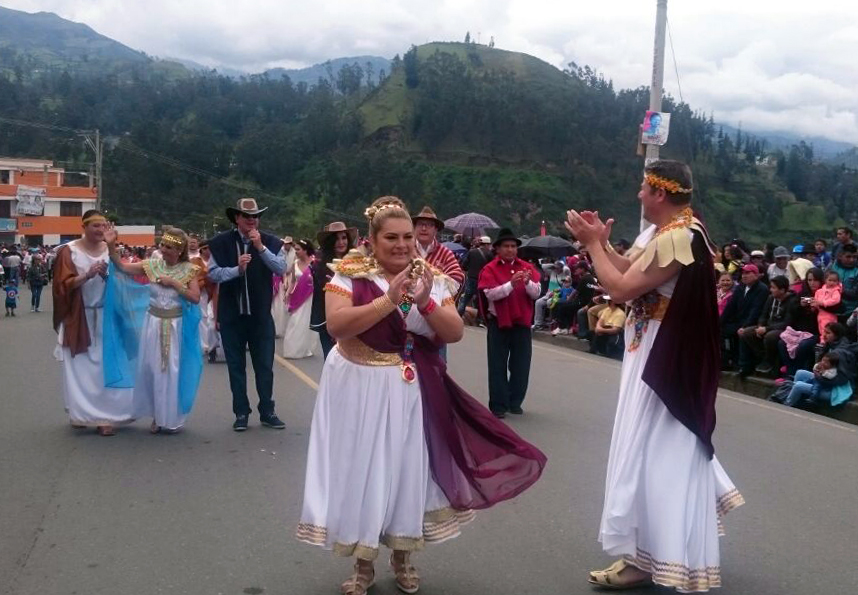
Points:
(383, 305)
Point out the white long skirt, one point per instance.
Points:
(208, 328)
(368, 479)
(86, 399)
(156, 390)
(279, 312)
(298, 340)
(664, 498)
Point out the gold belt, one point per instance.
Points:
(165, 314)
(358, 352)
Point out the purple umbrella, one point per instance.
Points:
(471, 224)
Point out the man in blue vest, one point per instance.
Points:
(243, 263)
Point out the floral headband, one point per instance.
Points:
(665, 184)
(371, 212)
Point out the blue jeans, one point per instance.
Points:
(467, 295)
(806, 388)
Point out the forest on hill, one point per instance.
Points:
(462, 127)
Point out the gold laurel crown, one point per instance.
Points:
(665, 184)
(168, 238)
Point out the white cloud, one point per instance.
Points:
(775, 65)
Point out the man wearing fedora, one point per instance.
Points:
(508, 287)
(243, 263)
(426, 228)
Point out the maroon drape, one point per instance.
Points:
(476, 460)
(684, 364)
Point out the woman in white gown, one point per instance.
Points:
(298, 340)
(172, 280)
(373, 477)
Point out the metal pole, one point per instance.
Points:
(98, 151)
(657, 71)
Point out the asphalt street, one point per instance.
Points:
(209, 511)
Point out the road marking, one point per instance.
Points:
(783, 410)
(297, 372)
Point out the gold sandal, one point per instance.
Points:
(407, 579)
(358, 583)
(610, 579)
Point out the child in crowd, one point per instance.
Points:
(11, 297)
(826, 298)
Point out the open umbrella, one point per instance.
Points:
(471, 224)
(545, 247)
(455, 248)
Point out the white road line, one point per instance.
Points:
(297, 372)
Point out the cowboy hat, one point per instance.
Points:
(246, 206)
(428, 214)
(336, 227)
(504, 235)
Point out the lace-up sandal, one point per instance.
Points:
(610, 579)
(407, 579)
(360, 582)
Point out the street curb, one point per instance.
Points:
(752, 386)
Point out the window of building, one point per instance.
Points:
(71, 209)
(5, 209)
(35, 241)
(4, 176)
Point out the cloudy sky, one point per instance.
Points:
(769, 65)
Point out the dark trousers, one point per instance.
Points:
(327, 342)
(258, 336)
(565, 313)
(804, 356)
(611, 346)
(36, 298)
(509, 353)
(754, 349)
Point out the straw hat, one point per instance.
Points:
(246, 206)
(430, 215)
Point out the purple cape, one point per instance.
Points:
(684, 364)
(476, 460)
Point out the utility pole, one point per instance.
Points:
(93, 140)
(657, 71)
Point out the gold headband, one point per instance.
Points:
(172, 240)
(94, 219)
(371, 212)
(665, 184)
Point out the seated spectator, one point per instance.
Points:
(822, 257)
(779, 267)
(844, 238)
(608, 339)
(565, 312)
(797, 271)
(830, 382)
(758, 258)
(724, 291)
(844, 266)
(797, 342)
(759, 344)
(742, 310)
(828, 298)
(733, 261)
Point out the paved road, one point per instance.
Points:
(209, 511)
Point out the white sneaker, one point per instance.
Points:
(555, 332)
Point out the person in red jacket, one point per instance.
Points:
(508, 287)
(426, 228)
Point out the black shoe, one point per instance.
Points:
(272, 421)
(240, 424)
(744, 373)
(499, 414)
(765, 370)
(517, 411)
(212, 356)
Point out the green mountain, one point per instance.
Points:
(371, 68)
(35, 43)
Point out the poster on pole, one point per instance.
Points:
(31, 200)
(655, 128)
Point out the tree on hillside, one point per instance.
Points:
(468, 37)
(409, 61)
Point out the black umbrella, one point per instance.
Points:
(545, 247)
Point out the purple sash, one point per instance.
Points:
(476, 460)
(302, 291)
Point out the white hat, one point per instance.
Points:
(485, 240)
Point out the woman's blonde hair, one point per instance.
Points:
(169, 234)
(382, 209)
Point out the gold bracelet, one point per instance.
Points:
(383, 305)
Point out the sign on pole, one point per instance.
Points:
(655, 128)
(31, 200)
